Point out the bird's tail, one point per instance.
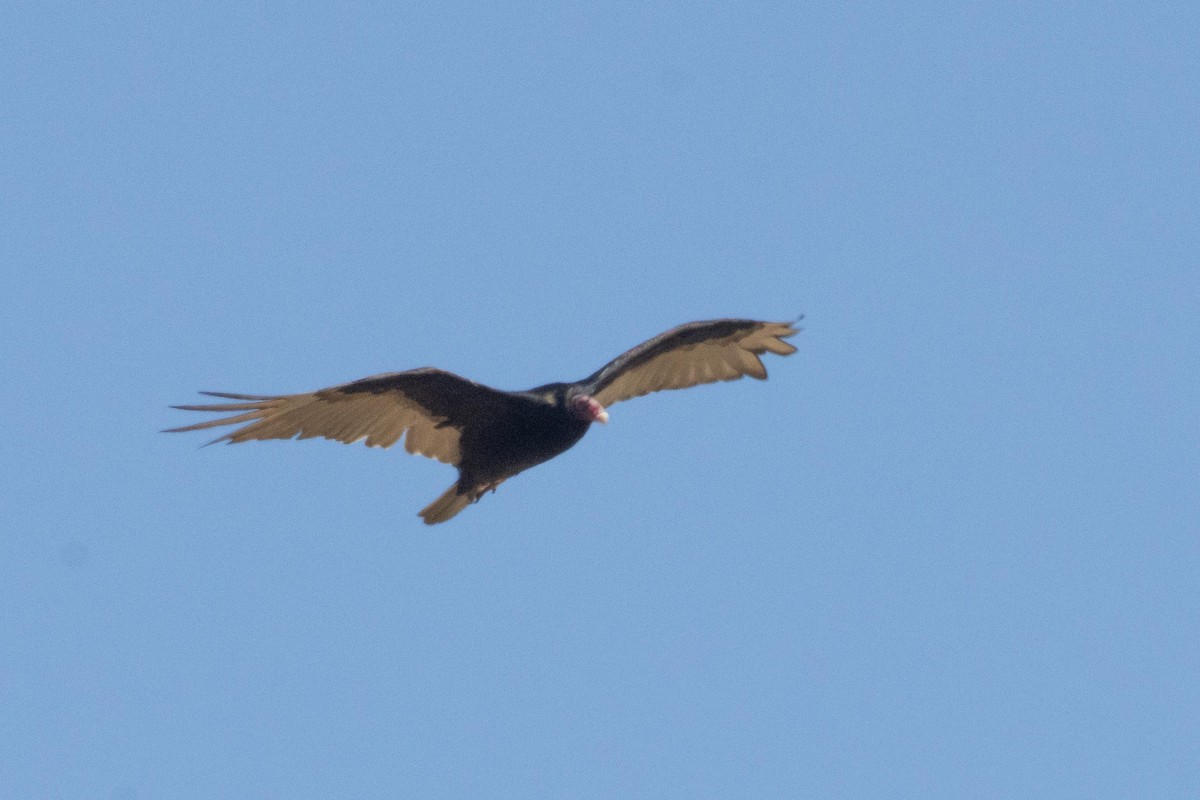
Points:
(446, 506)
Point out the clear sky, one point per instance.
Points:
(950, 549)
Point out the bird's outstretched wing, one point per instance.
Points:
(695, 353)
(431, 406)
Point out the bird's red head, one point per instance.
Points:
(586, 408)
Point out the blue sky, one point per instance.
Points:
(950, 548)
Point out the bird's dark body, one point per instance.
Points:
(517, 438)
(500, 433)
(492, 435)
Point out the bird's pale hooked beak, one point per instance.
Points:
(587, 409)
(595, 411)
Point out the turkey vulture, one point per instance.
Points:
(488, 434)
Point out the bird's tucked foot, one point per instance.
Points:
(484, 488)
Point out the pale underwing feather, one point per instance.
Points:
(379, 417)
(693, 354)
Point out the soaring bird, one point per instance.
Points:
(492, 435)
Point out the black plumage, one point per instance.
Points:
(492, 435)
